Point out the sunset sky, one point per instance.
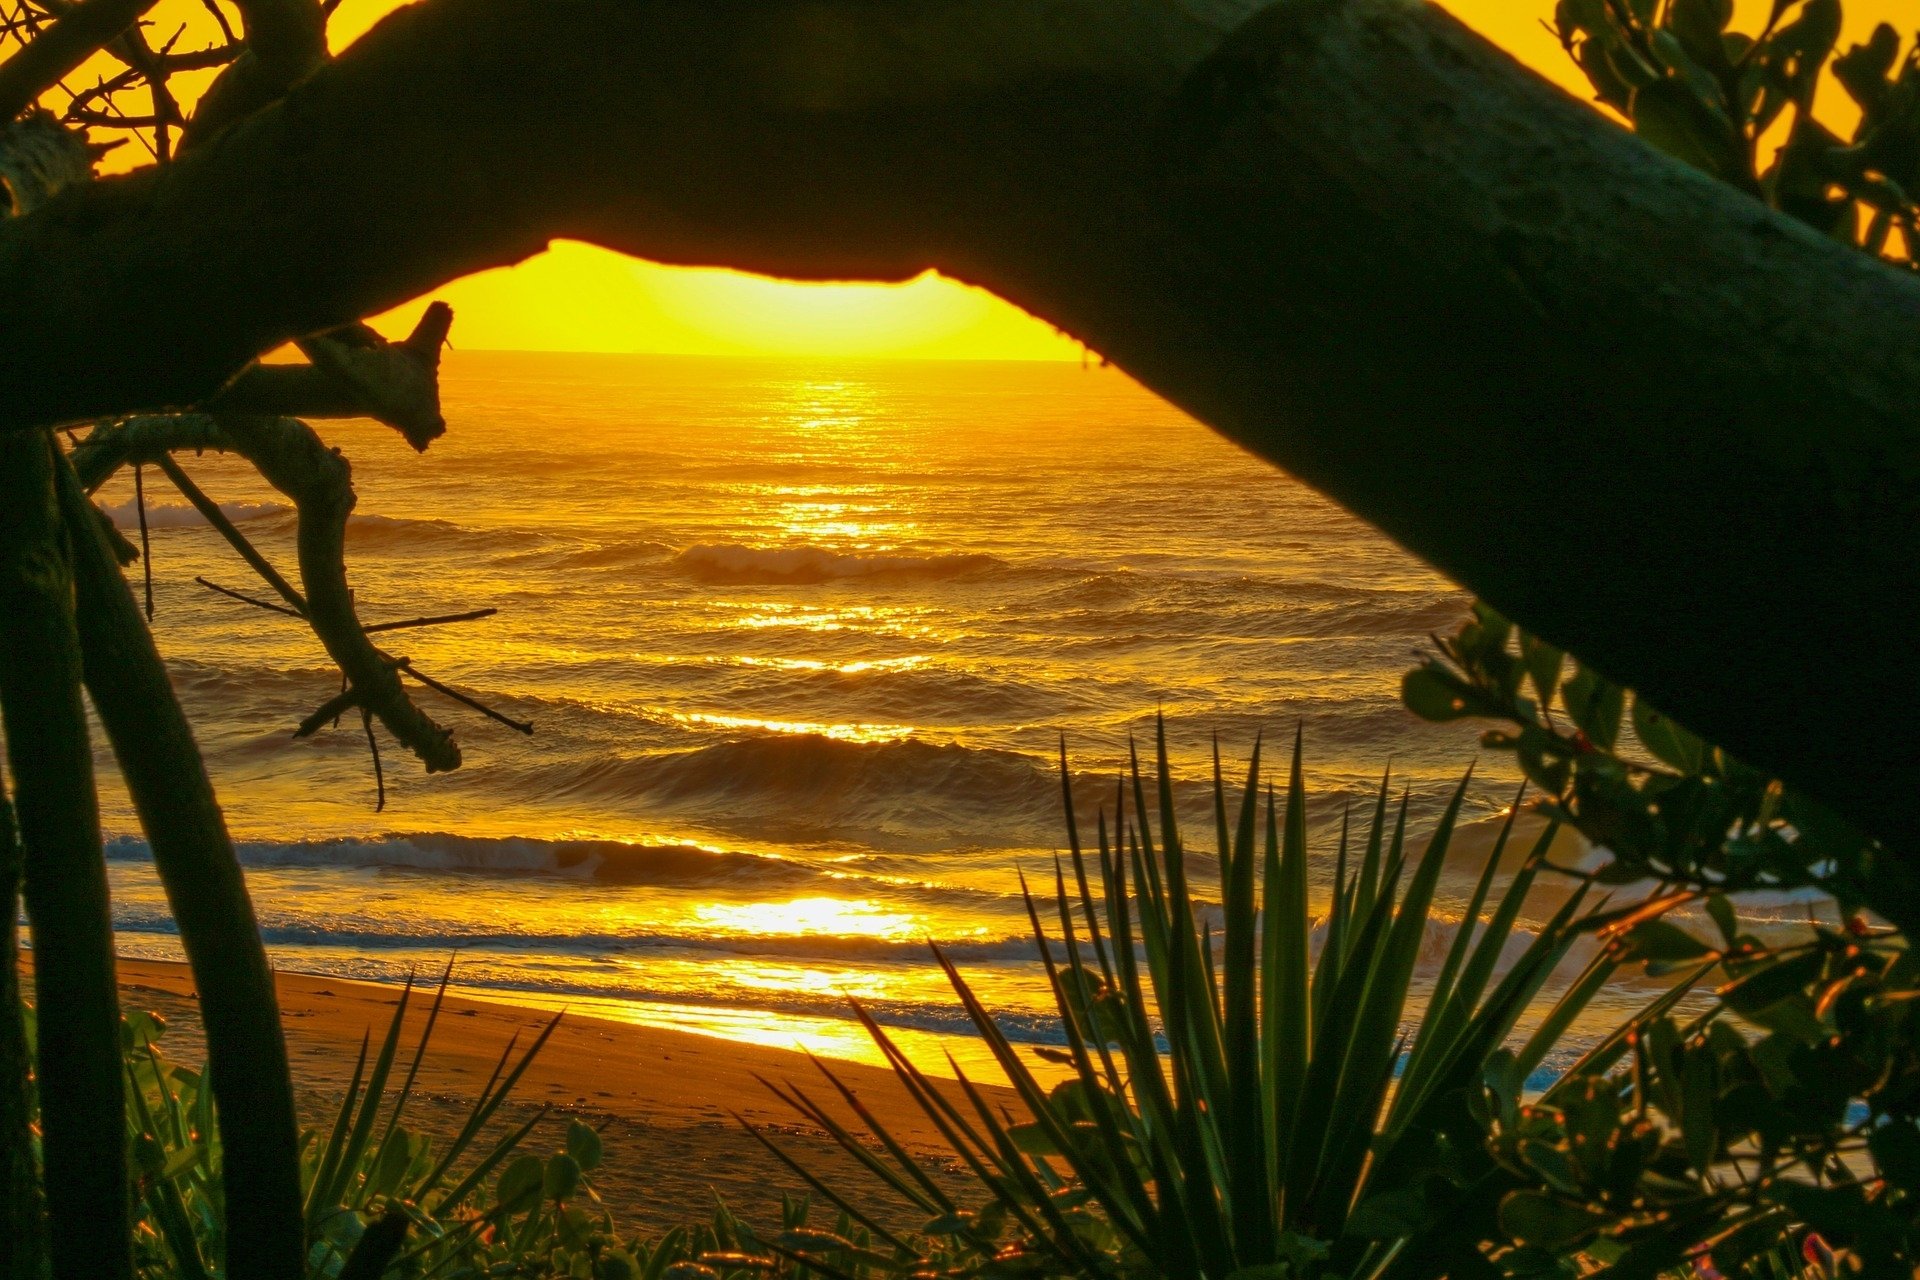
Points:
(579, 298)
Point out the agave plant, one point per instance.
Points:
(1237, 1105)
(380, 1199)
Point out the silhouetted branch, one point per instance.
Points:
(61, 47)
(23, 1227)
(146, 544)
(406, 665)
(194, 857)
(379, 776)
(1353, 236)
(329, 712)
(319, 483)
(112, 445)
(285, 40)
(252, 600)
(355, 374)
(65, 876)
(441, 620)
(210, 512)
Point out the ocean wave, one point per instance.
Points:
(732, 563)
(370, 530)
(605, 861)
(908, 787)
(126, 515)
(370, 935)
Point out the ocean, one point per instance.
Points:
(801, 642)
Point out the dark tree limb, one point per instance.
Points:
(56, 52)
(355, 373)
(319, 483)
(285, 40)
(1627, 405)
(110, 446)
(22, 1218)
(82, 1110)
(195, 859)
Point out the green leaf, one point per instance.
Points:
(1862, 70)
(1434, 693)
(1698, 25)
(1772, 983)
(1670, 115)
(1699, 1123)
(1720, 907)
(1661, 940)
(1543, 662)
(1547, 1222)
(1666, 740)
(1596, 705)
(1896, 1150)
(562, 1177)
(520, 1185)
(583, 1144)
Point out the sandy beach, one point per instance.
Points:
(663, 1101)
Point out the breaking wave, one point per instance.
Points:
(731, 563)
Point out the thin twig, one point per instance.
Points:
(146, 547)
(211, 512)
(379, 778)
(219, 16)
(439, 620)
(244, 598)
(330, 710)
(406, 665)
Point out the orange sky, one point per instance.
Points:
(579, 298)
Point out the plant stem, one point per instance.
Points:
(64, 877)
(22, 1228)
(193, 853)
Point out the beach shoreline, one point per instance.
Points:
(665, 1102)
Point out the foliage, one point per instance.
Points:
(1676, 810)
(1779, 1128)
(1717, 98)
(1234, 1106)
(500, 1213)
(1786, 1112)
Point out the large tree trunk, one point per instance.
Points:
(1633, 409)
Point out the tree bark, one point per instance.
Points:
(77, 1004)
(22, 1221)
(1630, 407)
(167, 780)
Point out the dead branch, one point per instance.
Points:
(58, 49)
(355, 373)
(1601, 390)
(318, 481)
(112, 445)
(285, 41)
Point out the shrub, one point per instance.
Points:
(1235, 1106)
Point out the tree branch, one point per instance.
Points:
(1648, 419)
(319, 483)
(56, 52)
(355, 373)
(65, 876)
(194, 856)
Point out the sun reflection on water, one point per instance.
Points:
(817, 916)
(840, 732)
